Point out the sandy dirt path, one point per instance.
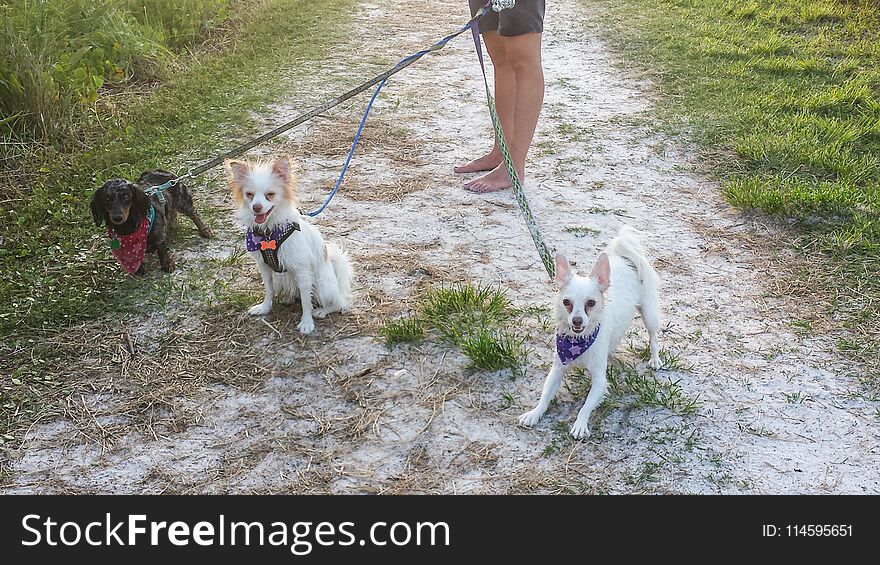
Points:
(339, 412)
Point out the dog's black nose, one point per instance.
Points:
(577, 321)
(116, 219)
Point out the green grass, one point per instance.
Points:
(646, 473)
(759, 431)
(649, 390)
(795, 397)
(561, 440)
(784, 98)
(580, 231)
(61, 59)
(671, 361)
(684, 434)
(449, 302)
(493, 349)
(54, 265)
(403, 330)
(474, 319)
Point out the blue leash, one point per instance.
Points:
(159, 189)
(436, 47)
(354, 143)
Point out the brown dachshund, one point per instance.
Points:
(126, 209)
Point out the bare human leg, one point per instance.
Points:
(523, 55)
(505, 98)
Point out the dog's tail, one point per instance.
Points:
(342, 268)
(628, 245)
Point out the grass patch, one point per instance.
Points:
(453, 302)
(784, 97)
(647, 390)
(493, 350)
(795, 397)
(403, 330)
(580, 231)
(671, 360)
(629, 387)
(471, 318)
(688, 437)
(604, 211)
(759, 431)
(474, 318)
(561, 441)
(65, 58)
(646, 473)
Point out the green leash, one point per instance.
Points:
(531, 224)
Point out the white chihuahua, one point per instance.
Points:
(593, 314)
(291, 254)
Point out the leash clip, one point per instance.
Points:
(499, 5)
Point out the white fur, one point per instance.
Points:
(312, 267)
(621, 281)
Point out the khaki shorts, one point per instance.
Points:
(527, 16)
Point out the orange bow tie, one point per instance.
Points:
(264, 245)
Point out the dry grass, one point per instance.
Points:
(379, 137)
(477, 456)
(393, 189)
(114, 380)
(804, 288)
(405, 264)
(382, 143)
(573, 477)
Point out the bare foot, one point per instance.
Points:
(485, 163)
(495, 180)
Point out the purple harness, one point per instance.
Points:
(570, 348)
(268, 244)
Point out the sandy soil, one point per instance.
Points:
(266, 410)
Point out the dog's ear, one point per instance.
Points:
(563, 269)
(281, 168)
(237, 170)
(99, 214)
(140, 203)
(602, 272)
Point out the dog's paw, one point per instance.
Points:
(306, 326)
(530, 418)
(260, 309)
(206, 233)
(169, 265)
(321, 313)
(580, 430)
(655, 363)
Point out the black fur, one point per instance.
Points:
(122, 205)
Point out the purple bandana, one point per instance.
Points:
(570, 348)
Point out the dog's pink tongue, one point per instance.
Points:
(260, 218)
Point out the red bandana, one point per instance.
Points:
(131, 248)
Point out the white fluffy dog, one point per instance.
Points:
(593, 314)
(291, 254)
